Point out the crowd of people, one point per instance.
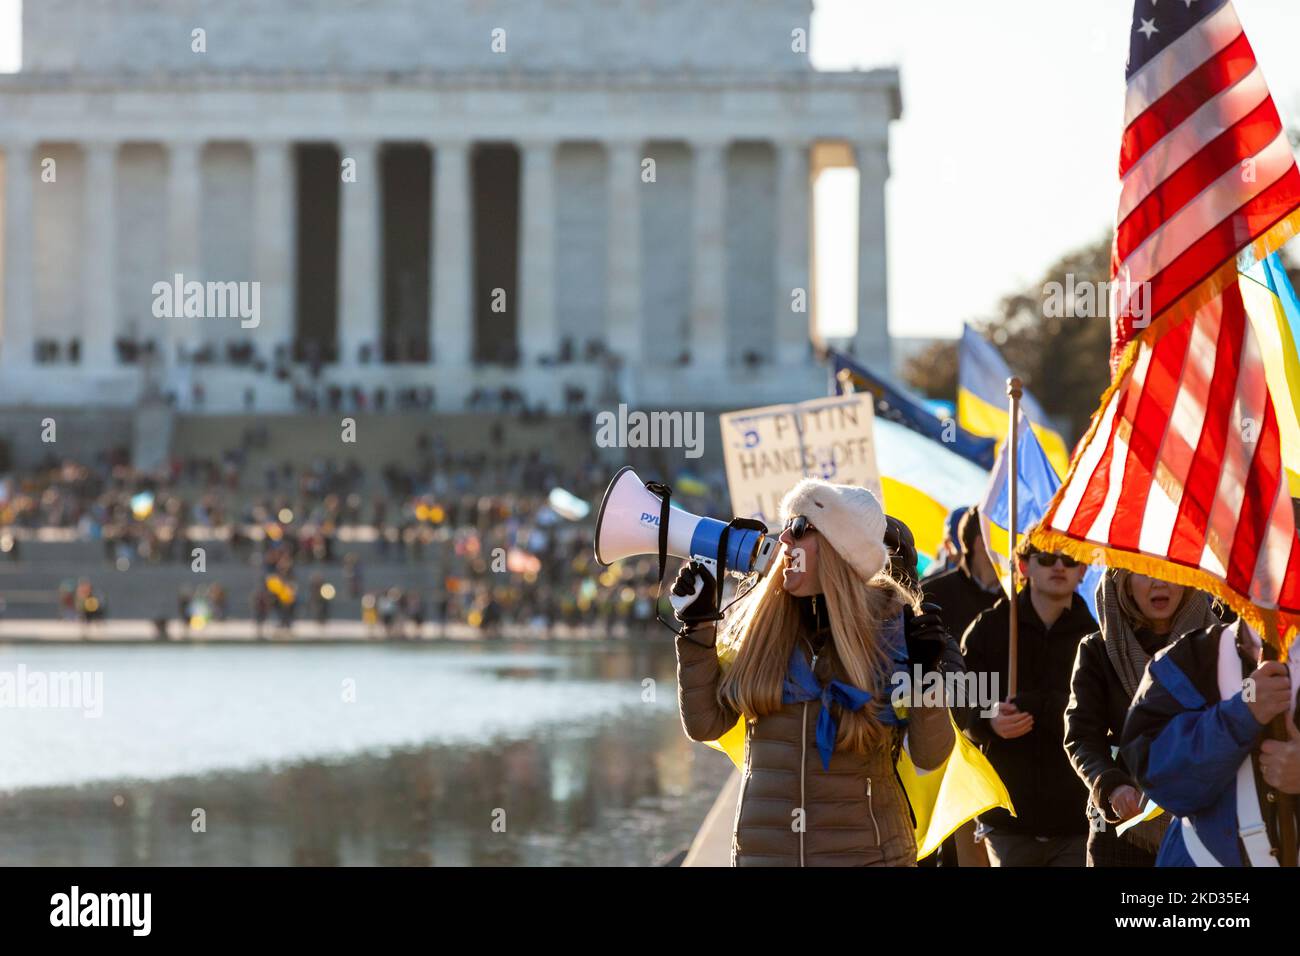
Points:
(1084, 745)
(435, 538)
(1073, 746)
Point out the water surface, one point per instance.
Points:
(543, 754)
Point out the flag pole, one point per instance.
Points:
(1278, 731)
(1013, 645)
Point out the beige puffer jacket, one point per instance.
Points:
(856, 813)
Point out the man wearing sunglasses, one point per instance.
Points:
(1025, 741)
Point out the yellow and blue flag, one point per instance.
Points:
(1037, 483)
(1274, 312)
(923, 481)
(982, 376)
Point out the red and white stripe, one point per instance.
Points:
(1205, 169)
(1185, 463)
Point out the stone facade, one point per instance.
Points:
(172, 161)
(365, 36)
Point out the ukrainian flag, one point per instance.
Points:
(1036, 486)
(1274, 312)
(982, 398)
(922, 482)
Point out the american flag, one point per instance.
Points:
(1205, 167)
(1180, 475)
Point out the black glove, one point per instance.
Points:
(927, 638)
(694, 596)
(902, 552)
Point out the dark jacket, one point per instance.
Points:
(855, 813)
(960, 596)
(1048, 797)
(1094, 719)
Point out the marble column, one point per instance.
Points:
(184, 250)
(536, 307)
(871, 342)
(274, 236)
(17, 348)
(623, 265)
(709, 255)
(360, 255)
(452, 319)
(792, 328)
(99, 305)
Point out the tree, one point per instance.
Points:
(1062, 358)
(933, 370)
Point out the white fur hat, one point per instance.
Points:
(848, 517)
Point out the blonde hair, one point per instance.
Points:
(762, 632)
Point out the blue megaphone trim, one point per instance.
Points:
(742, 544)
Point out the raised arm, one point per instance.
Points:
(929, 731)
(694, 600)
(704, 717)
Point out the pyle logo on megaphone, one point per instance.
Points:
(628, 524)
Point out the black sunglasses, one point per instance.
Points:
(799, 526)
(1047, 559)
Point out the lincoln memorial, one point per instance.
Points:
(225, 204)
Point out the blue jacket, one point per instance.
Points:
(1185, 744)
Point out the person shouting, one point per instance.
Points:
(815, 644)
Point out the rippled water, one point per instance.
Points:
(385, 754)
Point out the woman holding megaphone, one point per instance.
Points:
(815, 643)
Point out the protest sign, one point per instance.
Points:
(767, 450)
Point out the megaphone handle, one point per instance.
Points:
(708, 564)
(665, 494)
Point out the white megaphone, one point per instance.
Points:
(628, 524)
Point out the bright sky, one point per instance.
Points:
(10, 34)
(1005, 156)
